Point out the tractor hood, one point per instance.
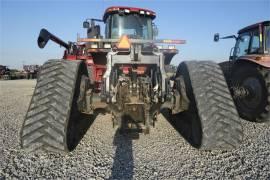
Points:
(263, 60)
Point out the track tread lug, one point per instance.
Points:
(46, 122)
(221, 125)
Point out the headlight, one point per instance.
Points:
(141, 12)
(94, 46)
(160, 47)
(127, 11)
(107, 46)
(171, 47)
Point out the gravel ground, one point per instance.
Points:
(105, 154)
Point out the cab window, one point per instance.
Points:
(255, 43)
(267, 39)
(242, 45)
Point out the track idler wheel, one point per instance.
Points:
(250, 86)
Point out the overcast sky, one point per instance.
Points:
(194, 21)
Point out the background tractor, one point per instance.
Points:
(124, 72)
(10, 74)
(248, 71)
(4, 72)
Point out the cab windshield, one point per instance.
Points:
(242, 44)
(132, 25)
(248, 43)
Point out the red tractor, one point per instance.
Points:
(124, 72)
(248, 71)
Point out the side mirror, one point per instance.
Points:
(86, 24)
(216, 37)
(155, 30)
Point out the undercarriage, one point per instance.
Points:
(135, 86)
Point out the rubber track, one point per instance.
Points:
(226, 67)
(221, 125)
(265, 116)
(45, 124)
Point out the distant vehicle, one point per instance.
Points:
(31, 71)
(4, 72)
(248, 71)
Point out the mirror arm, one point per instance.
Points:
(229, 37)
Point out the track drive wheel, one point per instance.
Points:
(255, 104)
(215, 123)
(53, 110)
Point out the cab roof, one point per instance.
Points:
(253, 26)
(125, 9)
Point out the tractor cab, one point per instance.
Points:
(252, 41)
(134, 22)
